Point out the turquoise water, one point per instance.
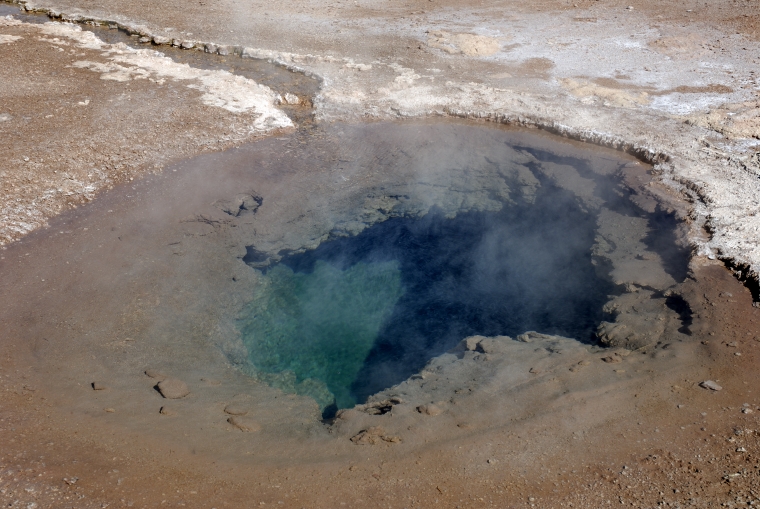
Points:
(310, 333)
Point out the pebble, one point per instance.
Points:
(173, 388)
(211, 48)
(144, 39)
(746, 410)
(99, 386)
(155, 374)
(186, 45)
(164, 410)
(235, 409)
(612, 359)
(159, 40)
(430, 409)
(709, 384)
(534, 371)
(244, 424)
(110, 410)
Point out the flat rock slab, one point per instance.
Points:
(173, 388)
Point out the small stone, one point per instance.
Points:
(187, 45)
(173, 388)
(741, 449)
(430, 409)
(210, 48)
(99, 386)
(235, 409)
(536, 371)
(160, 40)
(164, 410)
(144, 39)
(291, 99)
(746, 410)
(223, 51)
(612, 359)
(738, 354)
(110, 410)
(709, 384)
(155, 374)
(244, 424)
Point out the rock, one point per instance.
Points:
(496, 344)
(373, 436)
(187, 45)
(430, 409)
(612, 359)
(709, 384)
(160, 40)
(530, 336)
(471, 344)
(746, 410)
(347, 414)
(164, 410)
(244, 423)
(223, 50)
(210, 48)
(291, 99)
(380, 407)
(99, 386)
(173, 388)
(109, 410)
(155, 374)
(235, 409)
(144, 39)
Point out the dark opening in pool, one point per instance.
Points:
(363, 313)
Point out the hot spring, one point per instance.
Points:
(490, 237)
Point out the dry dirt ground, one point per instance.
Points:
(673, 82)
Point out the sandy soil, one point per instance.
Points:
(673, 82)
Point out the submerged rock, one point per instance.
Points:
(173, 388)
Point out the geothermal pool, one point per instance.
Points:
(362, 313)
(339, 268)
